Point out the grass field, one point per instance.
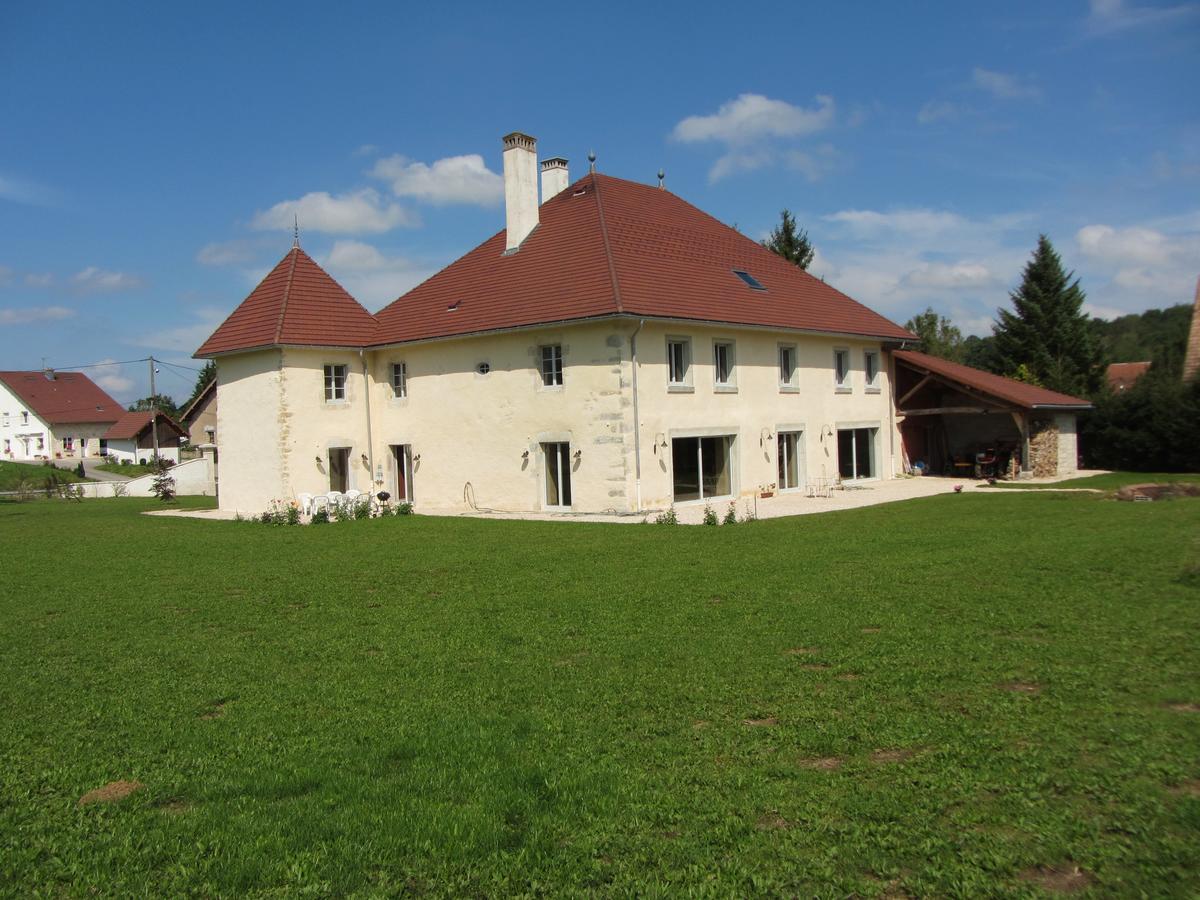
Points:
(12, 474)
(1108, 481)
(992, 694)
(132, 470)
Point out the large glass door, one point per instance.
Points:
(558, 474)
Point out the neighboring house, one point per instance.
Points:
(615, 349)
(1123, 376)
(200, 417)
(131, 438)
(48, 415)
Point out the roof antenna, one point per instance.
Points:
(592, 161)
(661, 176)
(295, 231)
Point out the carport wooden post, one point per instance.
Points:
(1022, 421)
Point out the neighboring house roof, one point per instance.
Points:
(132, 424)
(67, 398)
(195, 405)
(298, 303)
(1123, 375)
(1018, 393)
(606, 246)
(603, 247)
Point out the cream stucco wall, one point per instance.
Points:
(477, 439)
(22, 434)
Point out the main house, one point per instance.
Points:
(614, 348)
(50, 414)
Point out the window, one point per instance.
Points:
(841, 369)
(856, 452)
(6, 420)
(24, 417)
(68, 443)
(558, 474)
(679, 363)
(750, 280)
(552, 365)
(723, 364)
(871, 370)
(7, 445)
(104, 446)
(788, 450)
(399, 380)
(339, 467)
(787, 366)
(701, 467)
(335, 383)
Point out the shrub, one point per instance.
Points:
(362, 508)
(126, 462)
(341, 512)
(730, 515)
(749, 516)
(710, 516)
(320, 517)
(79, 470)
(292, 514)
(403, 508)
(667, 517)
(163, 487)
(119, 488)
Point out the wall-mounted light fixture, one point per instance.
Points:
(318, 458)
(365, 461)
(417, 458)
(525, 455)
(578, 454)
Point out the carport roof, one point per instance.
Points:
(1026, 396)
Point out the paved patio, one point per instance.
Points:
(796, 503)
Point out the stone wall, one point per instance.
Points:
(1043, 449)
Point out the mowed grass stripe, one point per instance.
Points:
(937, 696)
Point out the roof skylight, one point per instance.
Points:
(749, 279)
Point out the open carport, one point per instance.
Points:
(956, 420)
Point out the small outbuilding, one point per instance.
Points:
(956, 420)
(131, 438)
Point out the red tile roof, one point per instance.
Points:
(297, 303)
(607, 246)
(131, 424)
(1121, 376)
(1017, 393)
(70, 397)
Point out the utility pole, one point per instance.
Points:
(153, 409)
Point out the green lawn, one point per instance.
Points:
(132, 470)
(1109, 481)
(935, 697)
(12, 474)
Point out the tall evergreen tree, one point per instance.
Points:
(789, 243)
(1047, 331)
(207, 374)
(938, 336)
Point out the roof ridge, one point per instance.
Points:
(612, 267)
(287, 292)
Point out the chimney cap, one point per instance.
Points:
(519, 139)
(554, 162)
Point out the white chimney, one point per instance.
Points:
(520, 188)
(554, 177)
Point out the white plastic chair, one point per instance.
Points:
(352, 496)
(306, 503)
(335, 499)
(320, 500)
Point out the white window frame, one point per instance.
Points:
(792, 384)
(842, 385)
(871, 381)
(332, 387)
(550, 365)
(686, 384)
(729, 385)
(731, 434)
(801, 474)
(399, 385)
(873, 448)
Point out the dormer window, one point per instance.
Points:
(750, 280)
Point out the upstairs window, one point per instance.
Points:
(6, 420)
(335, 383)
(552, 365)
(24, 417)
(871, 370)
(787, 365)
(679, 362)
(841, 369)
(399, 380)
(723, 364)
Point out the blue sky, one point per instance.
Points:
(152, 156)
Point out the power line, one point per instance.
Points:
(100, 365)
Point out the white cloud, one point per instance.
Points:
(26, 192)
(920, 222)
(1111, 16)
(372, 277)
(1136, 246)
(939, 110)
(112, 377)
(753, 129)
(366, 150)
(39, 280)
(454, 179)
(33, 314)
(358, 212)
(753, 116)
(228, 253)
(184, 338)
(1143, 265)
(95, 280)
(949, 275)
(1003, 86)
